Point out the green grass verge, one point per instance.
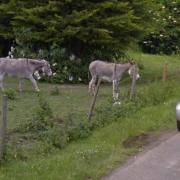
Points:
(96, 155)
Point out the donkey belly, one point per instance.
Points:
(106, 78)
(19, 74)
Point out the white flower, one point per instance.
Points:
(175, 9)
(174, 21)
(145, 42)
(163, 7)
(12, 49)
(79, 79)
(71, 78)
(54, 74)
(54, 64)
(161, 35)
(72, 57)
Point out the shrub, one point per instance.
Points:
(56, 136)
(158, 43)
(11, 94)
(77, 127)
(165, 39)
(42, 118)
(108, 113)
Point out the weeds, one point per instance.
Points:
(11, 94)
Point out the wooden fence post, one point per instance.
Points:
(132, 92)
(94, 100)
(164, 76)
(3, 127)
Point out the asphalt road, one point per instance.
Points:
(160, 163)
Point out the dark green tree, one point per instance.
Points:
(85, 29)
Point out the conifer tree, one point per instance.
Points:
(78, 25)
(73, 32)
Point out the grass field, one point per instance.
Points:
(103, 149)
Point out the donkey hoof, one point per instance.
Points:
(37, 90)
(117, 103)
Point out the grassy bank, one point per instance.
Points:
(95, 155)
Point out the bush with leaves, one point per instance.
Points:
(77, 127)
(73, 33)
(42, 118)
(56, 136)
(11, 94)
(166, 38)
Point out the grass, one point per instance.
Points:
(95, 155)
(152, 65)
(91, 157)
(71, 99)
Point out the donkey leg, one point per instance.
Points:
(92, 84)
(34, 83)
(1, 81)
(115, 90)
(20, 85)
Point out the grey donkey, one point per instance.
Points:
(23, 69)
(110, 72)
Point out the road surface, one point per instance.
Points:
(160, 163)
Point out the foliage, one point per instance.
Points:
(56, 136)
(10, 93)
(166, 39)
(42, 118)
(72, 33)
(77, 127)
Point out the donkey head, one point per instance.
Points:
(46, 69)
(133, 69)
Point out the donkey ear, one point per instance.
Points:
(44, 61)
